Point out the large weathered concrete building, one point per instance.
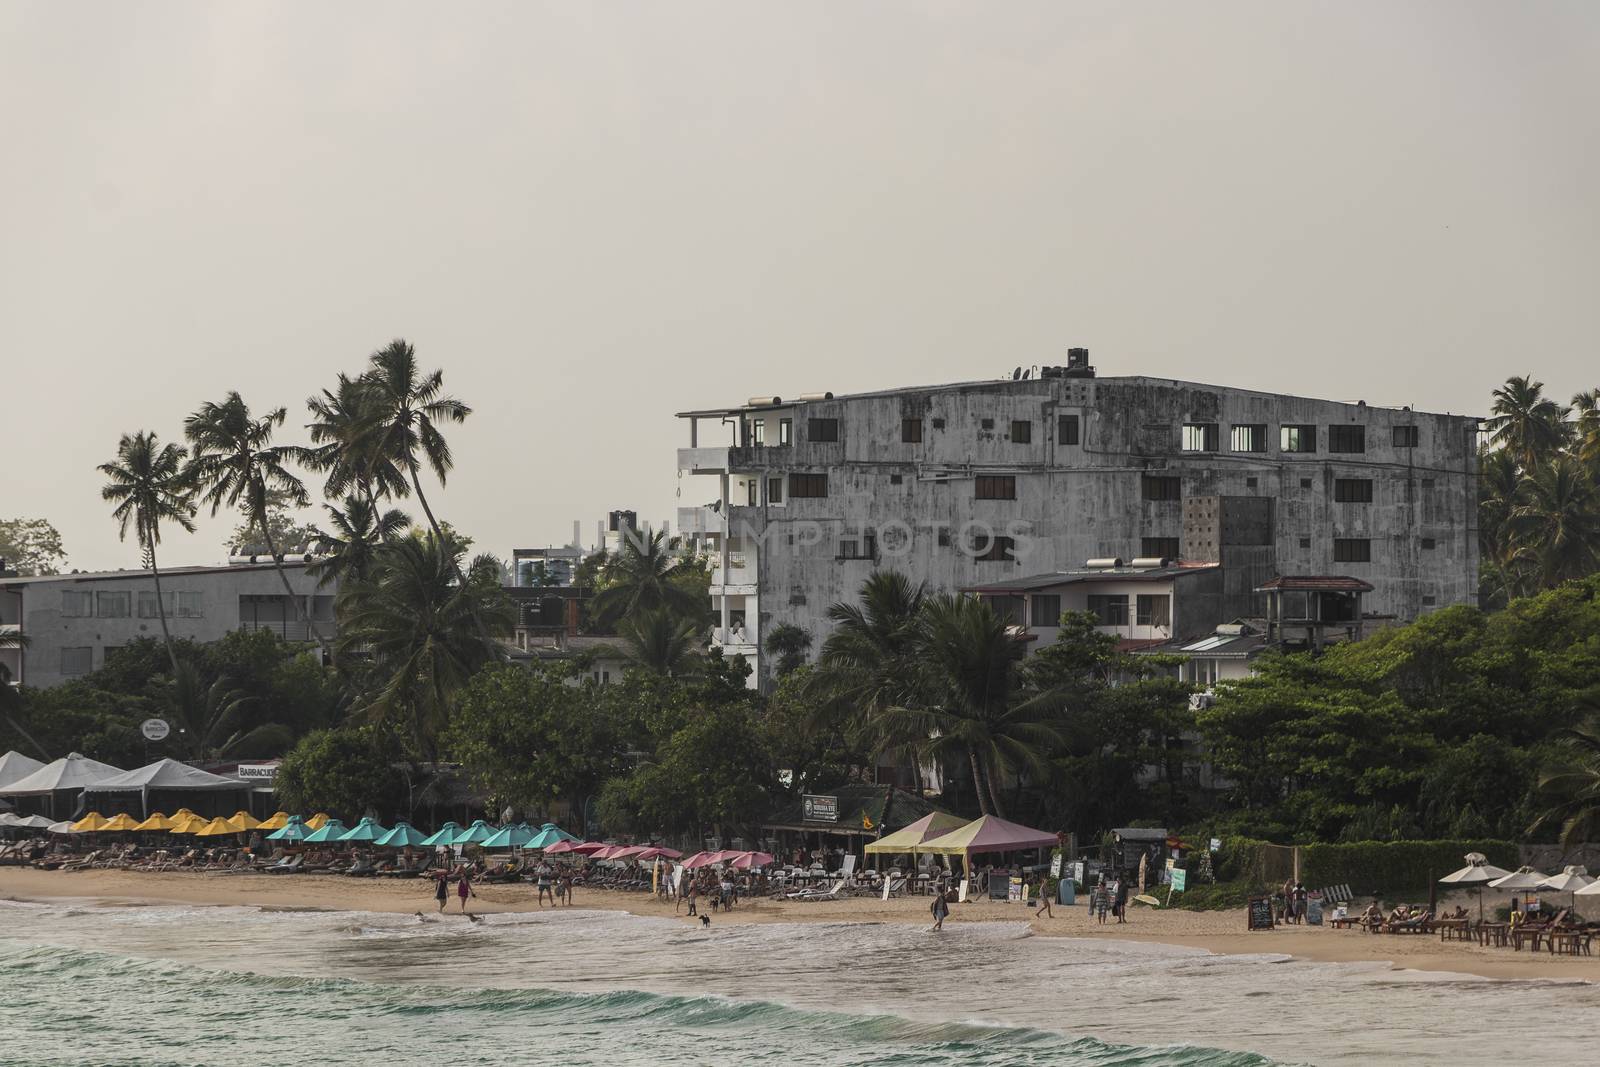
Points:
(967, 485)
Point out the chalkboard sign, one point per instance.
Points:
(1260, 913)
(999, 885)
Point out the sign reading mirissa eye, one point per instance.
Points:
(820, 809)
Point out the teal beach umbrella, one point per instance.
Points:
(367, 831)
(293, 830)
(516, 836)
(445, 835)
(404, 835)
(547, 835)
(476, 834)
(331, 831)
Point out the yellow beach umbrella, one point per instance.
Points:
(216, 828)
(156, 821)
(244, 820)
(119, 822)
(186, 824)
(89, 823)
(317, 821)
(277, 821)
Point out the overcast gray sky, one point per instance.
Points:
(595, 215)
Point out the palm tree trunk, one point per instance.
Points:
(161, 607)
(994, 794)
(277, 565)
(455, 564)
(979, 786)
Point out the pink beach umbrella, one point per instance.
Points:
(749, 860)
(627, 852)
(560, 847)
(701, 859)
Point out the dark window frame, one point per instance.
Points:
(1347, 438)
(1038, 613)
(803, 485)
(910, 431)
(994, 487)
(1254, 433)
(1000, 549)
(1021, 431)
(1210, 434)
(1306, 438)
(1352, 490)
(1149, 547)
(1145, 605)
(1160, 487)
(1102, 606)
(822, 431)
(1352, 550)
(1067, 429)
(1406, 436)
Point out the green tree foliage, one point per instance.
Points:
(531, 738)
(789, 645)
(660, 642)
(346, 773)
(31, 546)
(646, 574)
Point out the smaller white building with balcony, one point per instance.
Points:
(72, 621)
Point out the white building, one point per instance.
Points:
(975, 483)
(72, 620)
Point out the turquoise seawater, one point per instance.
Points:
(83, 983)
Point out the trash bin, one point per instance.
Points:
(1066, 892)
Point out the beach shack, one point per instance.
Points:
(843, 820)
(1130, 845)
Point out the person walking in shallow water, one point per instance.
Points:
(441, 891)
(464, 888)
(1044, 900)
(940, 908)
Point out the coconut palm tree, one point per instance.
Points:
(212, 718)
(1501, 490)
(1558, 522)
(148, 487)
(344, 428)
(234, 462)
(351, 547)
(1574, 787)
(969, 702)
(640, 577)
(407, 407)
(661, 643)
(1529, 425)
(1586, 429)
(869, 657)
(423, 630)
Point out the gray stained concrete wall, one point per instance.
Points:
(1085, 500)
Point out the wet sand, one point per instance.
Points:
(1220, 931)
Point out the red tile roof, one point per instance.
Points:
(1315, 583)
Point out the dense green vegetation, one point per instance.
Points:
(1468, 725)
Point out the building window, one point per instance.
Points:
(1429, 600)
(944, 537)
(911, 431)
(190, 605)
(861, 546)
(1044, 609)
(1199, 437)
(1352, 550)
(758, 432)
(1251, 483)
(995, 487)
(1305, 542)
(149, 607)
(1429, 544)
(774, 490)
(785, 431)
(1405, 437)
(1158, 547)
(896, 479)
(1352, 490)
(822, 431)
(1297, 439)
(1347, 438)
(1305, 483)
(807, 485)
(938, 424)
(752, 492)
(1109, 610)
(76, 605)
(1067, 429)
(1248, 437)
(1153, 610)
(76, 661)
(1021, 432)
(113, 605)
(1160, 487)
(1427, 483)
(993, 549)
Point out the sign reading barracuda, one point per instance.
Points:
(820, 809)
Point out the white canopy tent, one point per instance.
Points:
(14, 767)
(1478, 873)
(164, 775)
(70, 773)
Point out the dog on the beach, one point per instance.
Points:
(705, 920)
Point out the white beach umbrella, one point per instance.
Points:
(1570, 880)
(62, 827)
(1521, 878)
(1590, 890)
(1478, 873)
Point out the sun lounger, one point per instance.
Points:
(287, 865)
(819, 894)
(1422, 924)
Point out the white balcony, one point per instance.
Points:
(737, 641)
(703, 460)
(699, 521)
(741, 577)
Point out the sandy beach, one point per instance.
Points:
(1219, 932)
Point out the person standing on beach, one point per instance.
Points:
(1044, 900)
(544, 886)
(441, 891)
(464, 888)
(940, 908)
(1121, 905)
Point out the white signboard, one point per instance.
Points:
(256, 772)
(154, 729)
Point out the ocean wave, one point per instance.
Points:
(113, 991)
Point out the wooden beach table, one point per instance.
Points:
(1454, 930)
(1496, 934)
(1570, 942)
